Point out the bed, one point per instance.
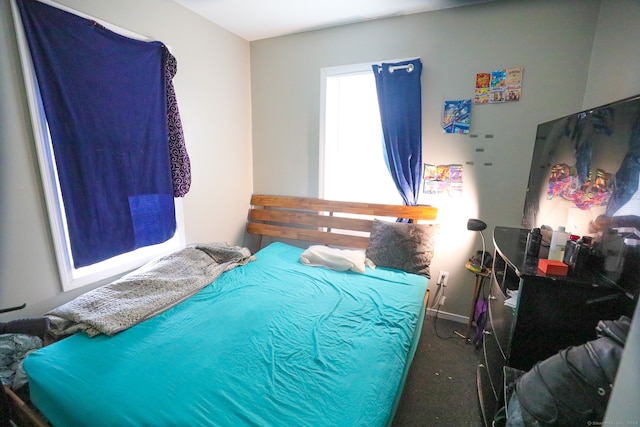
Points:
(274, 341)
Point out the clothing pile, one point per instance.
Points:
(17, 339)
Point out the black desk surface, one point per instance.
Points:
(511, 242)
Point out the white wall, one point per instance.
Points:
(213, 90)
(551, 39)
(614, 72)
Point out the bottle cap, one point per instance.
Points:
(573, 237)
(561, 229)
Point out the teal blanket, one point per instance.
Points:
(270, 343)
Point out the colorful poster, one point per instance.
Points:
(456, 116)
(513, 84)
(430, 179)
(498, 86)
(481, 94)
(442, 179)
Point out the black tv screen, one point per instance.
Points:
(585, 173)
(584, 166)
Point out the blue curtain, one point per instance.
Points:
(105, 102)
(400, 101)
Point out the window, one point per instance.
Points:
(70, 276)
(352, 165)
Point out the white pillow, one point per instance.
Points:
(333, 258)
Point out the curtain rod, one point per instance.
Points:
(408, 67)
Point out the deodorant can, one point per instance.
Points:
(532, 250)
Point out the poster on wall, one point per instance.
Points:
(513, 84)
(456, 116)
(498, 86)
(481, 95)
(442, 179)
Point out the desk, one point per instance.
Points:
(481, 276)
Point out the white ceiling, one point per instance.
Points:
(260, 19)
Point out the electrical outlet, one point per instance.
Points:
(443, 277)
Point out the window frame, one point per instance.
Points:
(325, 73)
(328, 72)
(71, 277)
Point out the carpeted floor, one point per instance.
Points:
(441, 387)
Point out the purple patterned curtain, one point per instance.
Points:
(180, 163)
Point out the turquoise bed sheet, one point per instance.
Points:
(271, 343)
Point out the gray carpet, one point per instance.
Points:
(441, 386)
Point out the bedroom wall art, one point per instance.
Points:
(498, 86)
(442, 179)
(456, 116)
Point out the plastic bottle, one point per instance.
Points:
(558, 241)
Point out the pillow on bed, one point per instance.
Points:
(333, 258)
(406, 247)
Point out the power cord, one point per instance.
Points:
(438, 300)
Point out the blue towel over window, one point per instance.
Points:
(105, 103)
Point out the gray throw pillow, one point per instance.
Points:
(406, 247)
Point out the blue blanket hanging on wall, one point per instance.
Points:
(105, 103)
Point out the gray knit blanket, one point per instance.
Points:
(153, 288)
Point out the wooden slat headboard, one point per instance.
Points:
(322, 221)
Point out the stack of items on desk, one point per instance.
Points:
(573, 255)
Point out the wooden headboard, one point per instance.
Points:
(323, 221)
